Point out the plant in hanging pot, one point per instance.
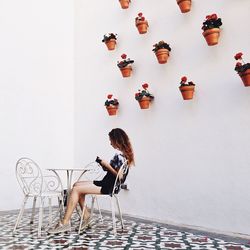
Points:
(211, 29)
(111, 105)
(110, 40)
(243, 69)
(141, 23)
(161, 50)
(125, 3)
(125, 65)
(184, 5)
(144, 97)
(187, 89)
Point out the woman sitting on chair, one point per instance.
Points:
(118, 140)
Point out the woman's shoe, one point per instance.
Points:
(88, 223)
(60, 228)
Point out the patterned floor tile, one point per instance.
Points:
(135, 236)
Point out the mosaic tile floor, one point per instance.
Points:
(136, 235)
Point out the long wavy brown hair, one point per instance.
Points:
(120, 139)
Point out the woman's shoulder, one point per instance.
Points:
(119, 158)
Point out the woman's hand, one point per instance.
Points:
(108, 167)
(98, 160)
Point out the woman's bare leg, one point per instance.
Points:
(82, 197)
(81, 203)
(81, 183)
(77, 192)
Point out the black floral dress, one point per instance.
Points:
(108, 181)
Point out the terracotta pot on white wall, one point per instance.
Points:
(185, 5)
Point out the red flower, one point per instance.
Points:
(184, 79)
(145, 85)
(123, 56)
(238, 64)
(109, 96)
(140, 14)
(214, 16)
(208, 17)
(136, 94)
(238, 56)
(143, 18)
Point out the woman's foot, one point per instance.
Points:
(88, 223)
(60, 228)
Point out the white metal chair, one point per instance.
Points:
(37, 186)
(113, 197)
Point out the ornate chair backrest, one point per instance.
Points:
(52, 183)
(92, 171)
(120, 178)
(29, 176)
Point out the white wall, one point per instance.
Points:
(192, 157)
(192, 161)
(37, 88)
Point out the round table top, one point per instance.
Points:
(66, 169)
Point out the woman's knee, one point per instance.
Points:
(78, 189)
(75, 189)
(78, 183)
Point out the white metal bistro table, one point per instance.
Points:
(69, 173)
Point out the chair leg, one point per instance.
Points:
(83, 211)
(19, 217)
(120, 211)
(33, 210)
(99, 210)
(92, 205)
(40, 221)
(50, 212)
(113, 215)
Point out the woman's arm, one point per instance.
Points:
(108, 167)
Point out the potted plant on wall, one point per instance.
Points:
(111, 105)
(144, 97)
(243, 69)
(184, 5)
(110, 40)
(125, 65)
(161, 50)
(141, 24)
(211, 29)
(187, 89)
(125, 3)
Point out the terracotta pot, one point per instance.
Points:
(162, 55)
(245, 76)
(144, 102)
(124, 4)
(112, 109)
(142, 26)
(185, 5)
(187, 92)
(126, 71)
(212, 36)
(111, 44)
